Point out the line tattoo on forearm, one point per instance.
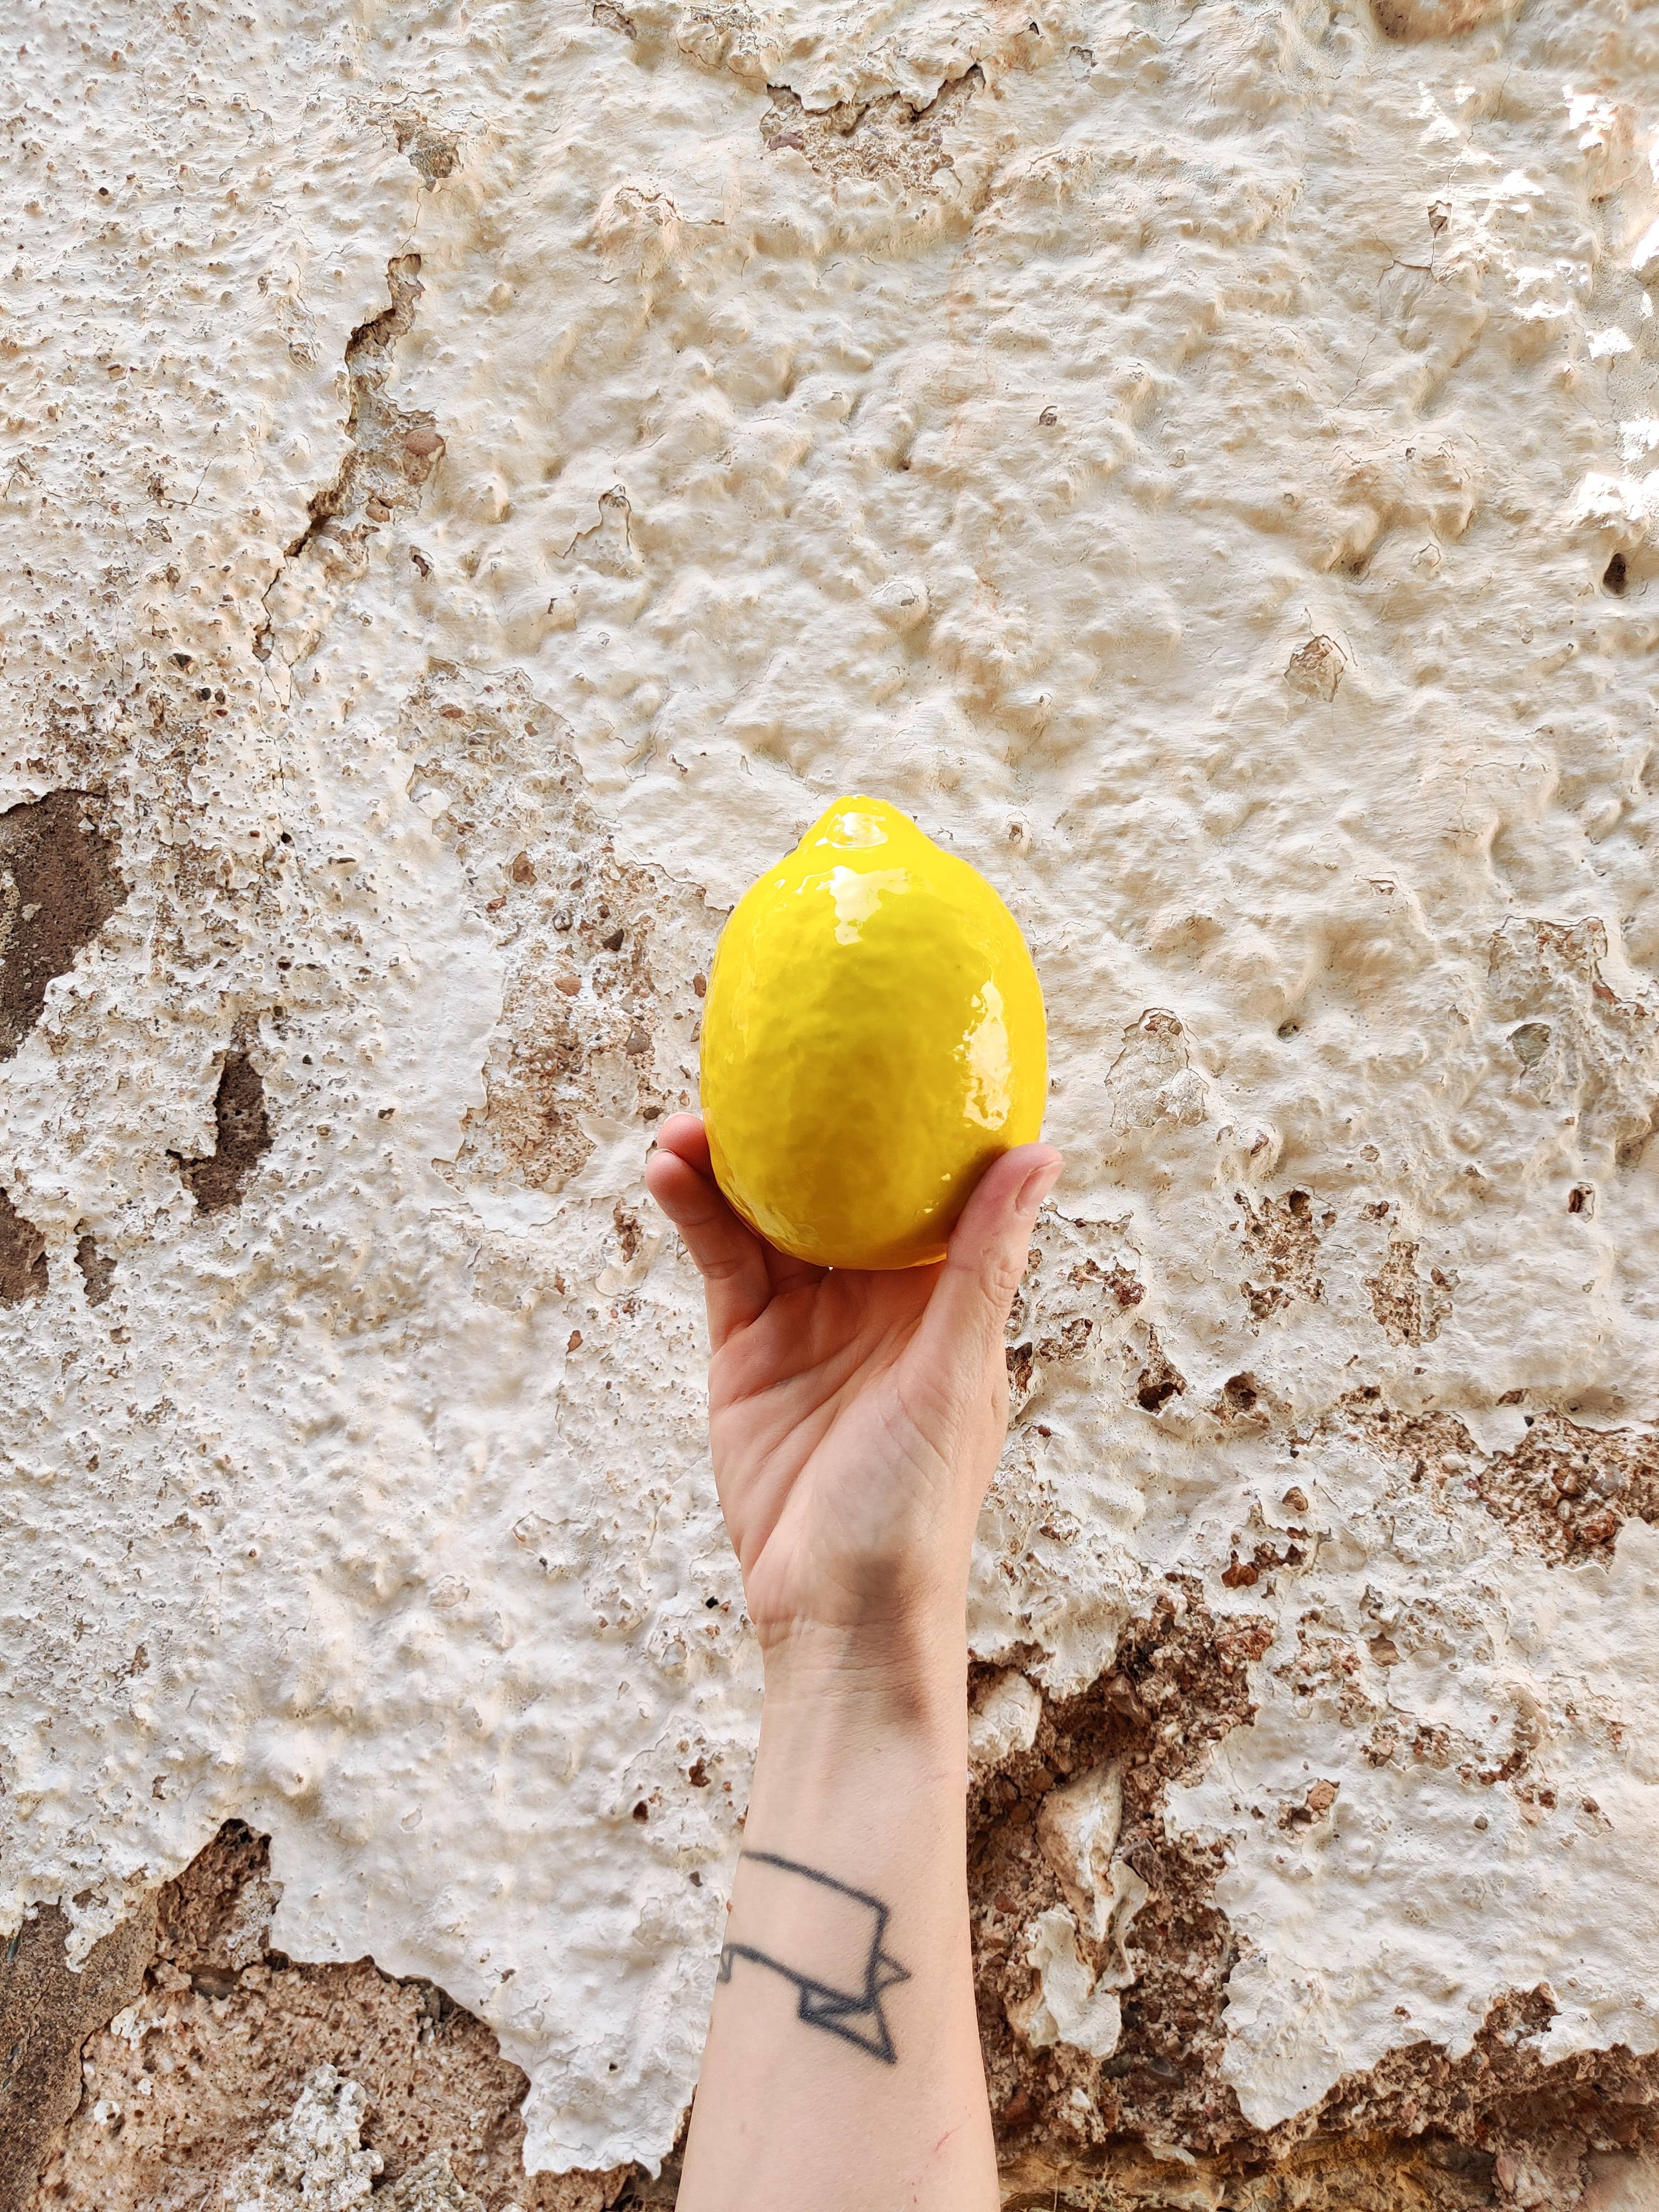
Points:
(833, 1955)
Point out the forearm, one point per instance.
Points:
(842, 2070)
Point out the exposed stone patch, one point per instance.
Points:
(1244, 1402)
(97, 1269)
(1565, 1489)
(22, 1257)
(1247, 1567)
(432, 152)
(1577, 1046)
(1342, 2175)
(1153, 1080)
(1159, 1380)
(1095, 2134)
(59, 885)
(1409, 1309)
(243, 1137)
(1079, 1298)
(887, 139)
(1538, 2123)
(1570, 1489)
(1023, 1360)
(213, 1920)
(1281, 1245)
(1316, 669)
(45, 2013)
(314, 2159)
(198, 2081)
(431, 2186)
(311, 2156)
(1177, 1685)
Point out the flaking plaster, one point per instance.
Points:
(476, 481)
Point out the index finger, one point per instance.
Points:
(726, 1253)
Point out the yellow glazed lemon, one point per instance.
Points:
(874, 1038)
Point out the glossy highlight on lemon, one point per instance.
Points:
(874, 1038)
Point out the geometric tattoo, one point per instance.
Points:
(829, 1946)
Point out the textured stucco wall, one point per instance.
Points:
(475, 480)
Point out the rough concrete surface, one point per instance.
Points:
(475, 480)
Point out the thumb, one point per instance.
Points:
(969, 1310)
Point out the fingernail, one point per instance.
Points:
(1036, 1186)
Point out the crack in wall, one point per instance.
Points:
(391, 453)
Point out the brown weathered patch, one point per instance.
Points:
(59, 886)
(1503, 2101)
(1565, 1490)
(1247, 1567)
(1572, 1489)
(22, 1257)
(97, 1269)
(1281, 1246)
(886, 139)
(1316, 669)
(1160, 1379)
(47, 2011)
(1409, 1309)
(226, 2032)
(1244, 1402)
(1425, 2174)
(1418, 2131)
(1576, 1046)
(243, 1137)
(1178, 1684)
(432, 152)
(1413, 21)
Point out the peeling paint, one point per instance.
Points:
(471, 489)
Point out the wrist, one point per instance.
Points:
(909, 1674)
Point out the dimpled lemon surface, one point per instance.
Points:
(874, 1037)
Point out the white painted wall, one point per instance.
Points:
(1181, 468)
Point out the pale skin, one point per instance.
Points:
(856, 1420)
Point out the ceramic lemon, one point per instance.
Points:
(874, 1038)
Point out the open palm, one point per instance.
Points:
(855, 1417)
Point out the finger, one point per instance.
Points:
(968, 1310)
(726, 1252)
(684, 1135)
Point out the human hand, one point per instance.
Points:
(855, 1417)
